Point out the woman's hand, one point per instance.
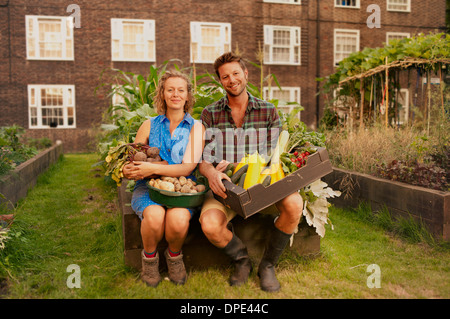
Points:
(140, 170)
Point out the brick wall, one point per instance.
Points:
(92, 47)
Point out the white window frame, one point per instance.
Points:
(36, 103)
(32, 37)
(284, 1)
(294, 93)
(347, 4)
(295, 36)
(223, 46)
(401, 34)
(148, 36)
(390, 3)
(350, 32)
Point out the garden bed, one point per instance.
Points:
(16, 184)
(430, 207)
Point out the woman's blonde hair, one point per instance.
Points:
(159, 103)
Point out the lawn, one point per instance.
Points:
(71, 217)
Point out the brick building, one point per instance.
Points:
(52, 52)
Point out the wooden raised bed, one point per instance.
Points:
(431, 207)
(16, 184)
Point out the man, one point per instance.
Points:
(239, 110)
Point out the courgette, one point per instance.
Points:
(266, 181)
(237, 176)
(242, 180)
(243, 161)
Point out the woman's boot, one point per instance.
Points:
(175, 266)
(150, 270)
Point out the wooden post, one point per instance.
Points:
(442, 90)
(386, 103)
(371, 94)
(429, 101)
(361, 104)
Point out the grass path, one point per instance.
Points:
(71, 217)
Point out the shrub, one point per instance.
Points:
(12, 150)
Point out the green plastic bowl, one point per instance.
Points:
(176, 199)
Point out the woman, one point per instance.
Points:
(180, 140)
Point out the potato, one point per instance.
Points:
(185, 189)
(140, 156)
(153, 152)
(150, 159)
(167, 186)
(152, 182)
(177, 186)
(200, 188)
(193, 191)
(169, 179)
(182, 180)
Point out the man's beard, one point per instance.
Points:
(232, 93)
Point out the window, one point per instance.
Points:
(345, 42)
(133, 40)
(281, 45)
(399, 5)
(347, 3)
(288, 97)
(51, 106)
(49, 38)
(284, 1)
(396, 36)
(209, 41)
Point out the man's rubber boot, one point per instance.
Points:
(237, 251)
(266, 271)
(150, 270)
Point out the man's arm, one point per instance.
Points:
(207, 169)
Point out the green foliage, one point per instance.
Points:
(299, 134)
(432, 48)
(12, 150)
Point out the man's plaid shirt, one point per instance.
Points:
(224, 141)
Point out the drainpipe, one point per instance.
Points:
(317, 62)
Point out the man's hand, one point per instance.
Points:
(215, 176)
(216, 184)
